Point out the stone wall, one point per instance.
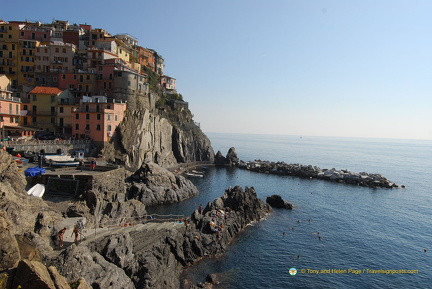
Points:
(50, 146)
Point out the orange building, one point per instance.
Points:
(97, 118)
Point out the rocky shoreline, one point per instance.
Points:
(153, 255)
(313, 172)
(145, 254)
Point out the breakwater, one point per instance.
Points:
(314, 172)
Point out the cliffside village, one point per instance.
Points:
(70, 80)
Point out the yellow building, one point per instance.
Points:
(9, 40)
(26, 62)
(42, 107)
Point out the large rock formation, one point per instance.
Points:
(153, 185)
(230, 159)
(166, 139)
(152, 255)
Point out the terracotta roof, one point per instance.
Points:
(45, 90)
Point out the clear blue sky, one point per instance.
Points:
(358, 68)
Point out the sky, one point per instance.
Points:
(358, 68)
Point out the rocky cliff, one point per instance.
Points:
(165, 137)
(152, 255)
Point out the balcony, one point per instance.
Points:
(10, 98)
(41, 113)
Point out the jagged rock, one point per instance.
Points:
(276, 201)
(76, 262)
(9, 174)
(153, 185)
(32, 274)
(220, 159)
(153, 256)
(116, 249)
(191, 145)
(9, 250)
(82, 284)
(60, 281)
(232, 156)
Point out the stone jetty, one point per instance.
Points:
(313, 172)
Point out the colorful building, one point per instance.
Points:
(67, 104)
(82, 83)
(42, 107)
(10, 110)
(97, 118)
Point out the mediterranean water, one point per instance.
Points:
(363, 232)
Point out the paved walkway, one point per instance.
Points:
(89, 235)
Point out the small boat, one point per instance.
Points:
(59, 158)
(20, 161)
(65, 163)
(194, 175)
(197, 172)
(37, 190)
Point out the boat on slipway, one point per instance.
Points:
(61, 160)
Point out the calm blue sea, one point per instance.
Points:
(360, 228)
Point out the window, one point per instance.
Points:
(61, 108)
(34, 120)
(108, 116)
(25, 107)
(109, 127)
(64, 76)
(53, 120)
(77, 116)
(87, 127)
(52, 98)
(34, 97)
(77, 126)
(98, 117)
(98, 127)
(87, 116)
(115, 117)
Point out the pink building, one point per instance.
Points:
(97, 118)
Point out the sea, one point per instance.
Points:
(337, 235)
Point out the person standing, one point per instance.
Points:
(77, 233)
(92, 164)
(61, 237)
(82, 164)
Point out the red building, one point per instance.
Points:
(97, 118)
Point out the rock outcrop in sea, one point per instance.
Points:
(276, 201)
